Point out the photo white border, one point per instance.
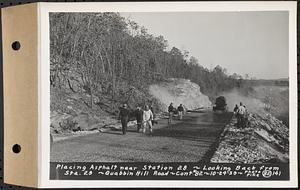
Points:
(44, 87)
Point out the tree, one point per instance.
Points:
(104, 54)
(193, 61)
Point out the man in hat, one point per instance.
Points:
(241, 114)
(124, 117)
(171, 113)
(180, 111)
(139, 117)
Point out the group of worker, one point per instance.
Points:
(172, 110)
(145, 117)
(241, 115)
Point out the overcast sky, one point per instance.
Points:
(255, 43)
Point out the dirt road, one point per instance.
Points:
(188, 140)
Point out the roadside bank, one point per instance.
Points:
(264, 140)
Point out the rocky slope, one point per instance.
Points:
(265, 139)
(179, 91)
(70, 113)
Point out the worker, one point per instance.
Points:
(171, 112)
(147, 119)
(180, 111)
(139, 117)
(241, 115)
(124, 117)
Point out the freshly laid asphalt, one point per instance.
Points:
(191, 139)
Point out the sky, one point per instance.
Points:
(253, 43)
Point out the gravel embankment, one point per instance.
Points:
(265, 139)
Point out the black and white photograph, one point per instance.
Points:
(169, 87)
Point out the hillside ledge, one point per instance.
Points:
(179, 91)
(264, 140)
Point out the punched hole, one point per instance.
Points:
(16, 45)
(16, 148)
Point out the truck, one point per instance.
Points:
(220, 104)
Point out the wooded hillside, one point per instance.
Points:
(111, 58)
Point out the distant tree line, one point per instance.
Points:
(106, 54)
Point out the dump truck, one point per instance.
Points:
(220, 104)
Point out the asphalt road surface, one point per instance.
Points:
(189, 140)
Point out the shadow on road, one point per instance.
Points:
(115, 131)
(188, 131)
